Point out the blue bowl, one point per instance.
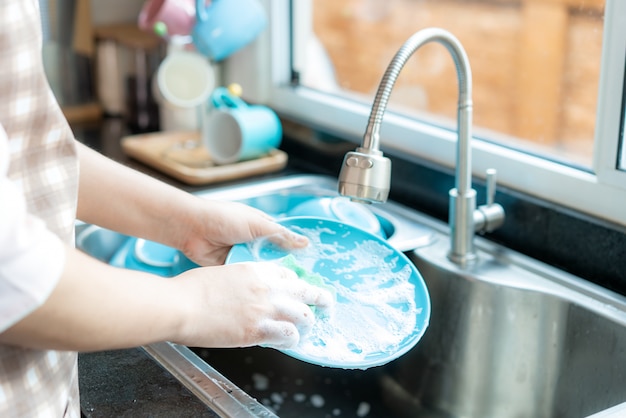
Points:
(383, 305)
(151, 257)
(340, 209)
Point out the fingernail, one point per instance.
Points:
(300, 239)
(296, 238)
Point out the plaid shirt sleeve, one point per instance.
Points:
(31, 257)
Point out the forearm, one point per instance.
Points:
(125, 200)
(95, 306)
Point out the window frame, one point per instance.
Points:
(264, 71)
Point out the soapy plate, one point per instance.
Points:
(382, 308)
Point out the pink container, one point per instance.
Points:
(179, 16)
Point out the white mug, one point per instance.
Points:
(183, 83)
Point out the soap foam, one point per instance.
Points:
(375, 309)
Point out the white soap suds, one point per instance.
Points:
(299, 397)
(317, 401)
(363, 409)
(375, 310)
(276, 398)
(261, 382)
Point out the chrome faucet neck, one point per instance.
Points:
(358, 168)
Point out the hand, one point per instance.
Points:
(140, 206)
(95, 306)
(213, 227)
(247, 304)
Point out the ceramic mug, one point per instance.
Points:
(183, 83)
(236, 131)
(225, 26)
(179, 16)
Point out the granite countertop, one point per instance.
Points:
(129, 383)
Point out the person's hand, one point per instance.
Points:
(143, 207)
(213, 227)
(246, 304)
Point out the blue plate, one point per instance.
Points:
(151, 257)
(342, 209)
(383, 306)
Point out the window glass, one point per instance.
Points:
(621, 164)
(535, 65)
(622, 159)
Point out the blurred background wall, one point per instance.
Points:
(115, 11)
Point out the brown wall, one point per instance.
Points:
(535, 63)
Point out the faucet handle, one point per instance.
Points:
(491, 185)
(489, 216)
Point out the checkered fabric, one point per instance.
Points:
(43, 164)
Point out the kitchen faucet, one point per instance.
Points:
(365, 173)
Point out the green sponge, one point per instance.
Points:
(311, 278)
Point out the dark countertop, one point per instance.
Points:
(129, 383)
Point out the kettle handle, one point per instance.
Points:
(201, 10)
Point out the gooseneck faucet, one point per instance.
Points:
(365, 173)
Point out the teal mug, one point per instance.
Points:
(225, 26)
(235, 131)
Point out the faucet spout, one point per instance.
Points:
(365, 174)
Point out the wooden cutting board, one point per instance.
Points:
(182, 156)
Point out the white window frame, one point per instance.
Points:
(264, 71)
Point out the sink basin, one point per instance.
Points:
(279, 196)
(510, 337)
(515, 338)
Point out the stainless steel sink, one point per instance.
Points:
(509, 337)
(514, 338)
(278, 196)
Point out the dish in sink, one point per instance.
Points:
(383, 306)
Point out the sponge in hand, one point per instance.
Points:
(312, 278)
